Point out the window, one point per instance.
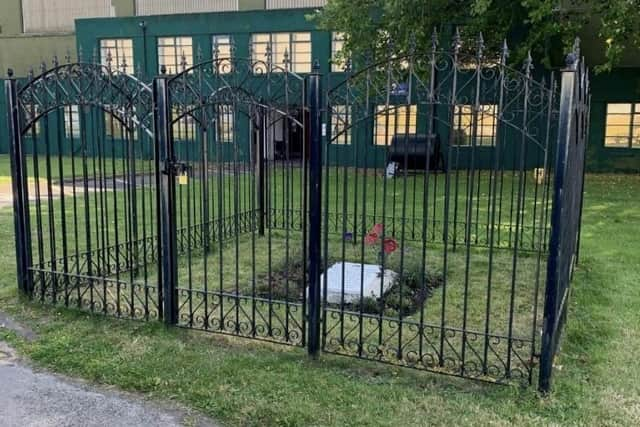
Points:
(296, 45)
(337, 44)
(340, 124)
(171, 51)
(225, 123)
(31, 112)
(185, 127)
(623, 126)
(121, 52)
(114, 128)
(72, 121)
(223, 45)
(486, 126)
(394, 120)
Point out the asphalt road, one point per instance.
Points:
(37, 399)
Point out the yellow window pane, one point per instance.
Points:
(619, 119)
(301, 36)
(617, 131)
(281, 38)
(619, 108)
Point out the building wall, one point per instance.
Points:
(622, 85)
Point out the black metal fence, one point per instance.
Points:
(403, 212)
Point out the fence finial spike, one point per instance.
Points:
(285, 59)
(67, 57)
(10, 73)
(183, 61)
(163, 69)
(43, 66)
(268, 55)
(31, 73)
(109, 59)
(528, 63)
(216, 49)
(199, 54)
(457, 41)
(434, 39)
(390, 47)
(124, 65)
(412, 44)
(55, 61)
(480, 46)
(347, 65)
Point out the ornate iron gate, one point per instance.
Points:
(84, 189)
(402, 214)
(235, 223)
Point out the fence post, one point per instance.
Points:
(261, 142)
(554, 299)
(315, 208)
(166, 177)
(19, 187)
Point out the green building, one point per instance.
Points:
(142, 36)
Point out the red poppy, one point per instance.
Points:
(378, 229)
(390, 245)
(371, 238)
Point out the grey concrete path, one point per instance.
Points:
(36, 399)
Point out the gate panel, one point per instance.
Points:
(239, 139)
(81, 133)
(436, 210)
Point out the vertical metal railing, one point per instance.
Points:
(566, 212)
(20, 188)
(167, 261)
(315, 209)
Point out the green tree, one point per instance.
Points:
(544, 27)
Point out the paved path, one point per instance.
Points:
(35, 399)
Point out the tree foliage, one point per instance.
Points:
(544, 27)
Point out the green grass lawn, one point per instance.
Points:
(239, 382)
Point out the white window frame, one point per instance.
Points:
(337, 45)
(224, 43)
(121, 50)
(72, 121)
(179, 45)
(225, 126)
(632, 136)
(486, 127)
(340, 119)
(184, 129)
(391, 121)
(261, 41)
